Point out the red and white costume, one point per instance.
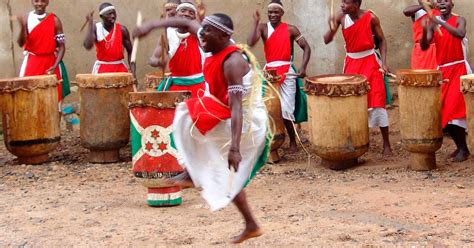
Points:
(202, 134)
(40, 47)
(185, 65)
(361, 59)
(278, 54)
(109, 49)
(451, 56)
(422, 59)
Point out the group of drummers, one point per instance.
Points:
(224, 80)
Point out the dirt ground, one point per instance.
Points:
(69, 202)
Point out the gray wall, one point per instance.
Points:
(309, 15)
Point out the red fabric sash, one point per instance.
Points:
(359, 36)
(113, 50)
(187, 60)
(207, 112)
(453, 104)
(278, 45)
(448, 48)
(280, 71)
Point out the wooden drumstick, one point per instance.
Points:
(428, 10)
(231, 181)
(333, 25)
(85, 23)
(388, 73)
(164, 50)
(136, 40)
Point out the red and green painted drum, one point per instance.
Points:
(154, 156)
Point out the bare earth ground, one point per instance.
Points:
(69, 202)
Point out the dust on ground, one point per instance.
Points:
(69, 202)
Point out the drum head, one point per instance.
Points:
(337, 85)
(419, 78)
(28, 83)
(104, 80)
(467, 83)
(161, 100)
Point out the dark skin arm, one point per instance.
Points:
(127, 44)
(257, 30)
(337, 20)
(428, 32)
(155, 59)
(429, 27)
(61, 46)
(191, 26)
(378, 32)
(295, 33)
(235, 68)
(410, 11)
(91, 32)
(23, 30)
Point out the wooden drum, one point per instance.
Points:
(105, 122)
(338, 118)
(153, 80)
(420, 116)
(277, 124)
(467, 87)
(30, 116)
(153, 152)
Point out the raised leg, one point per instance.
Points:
(252, 230)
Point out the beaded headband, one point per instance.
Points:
(186, 5)
(276, 5)
(215, 22)
(106, 9)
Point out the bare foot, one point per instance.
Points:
(461, 156)
(182, 180)
(454, 154)
(247, 234)
(293, 148)
(387, 151)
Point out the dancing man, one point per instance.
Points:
(358, 28)
(421, 59)
(110, 39)
(225, 131)
(42, 38)
(186, 56)
(278, 39)
(451, 50)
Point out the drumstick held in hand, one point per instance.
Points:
(333, 25)
(388, 73)
(85, 23)
(428, 10)
(136, 40)
(231, 181)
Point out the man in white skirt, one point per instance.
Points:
(221, 138)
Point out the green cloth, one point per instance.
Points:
(66, 86)
(301, 104)
(388, 100)
(167, 82)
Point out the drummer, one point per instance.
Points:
(185, 56)
(278, 38)
(421, 59)
(452, 61)
(358, 28)
(170, 7)
(43, 40)
(209, 133)
(110, 39)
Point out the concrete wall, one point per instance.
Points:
(309, 15)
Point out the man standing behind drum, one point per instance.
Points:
(186, 56)
(451, 50)
(420, 59)
(359, 27)
(110, 38)
(42, 37)
(278, 38)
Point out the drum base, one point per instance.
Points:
(274, 157)
(423, 161)
(104, 157)
(33, 160)
(164, 197)
(339, 165)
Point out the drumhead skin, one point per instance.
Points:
(337, 85)
(420, 78)
(467, 84)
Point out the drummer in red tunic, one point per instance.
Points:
(185, 56)
(42, 38)
(451, 50)
(278, 39)
(359, 27)
(110, 38)
(421, 59)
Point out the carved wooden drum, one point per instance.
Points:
(153, 80)
(467, 87)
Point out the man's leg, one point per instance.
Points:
(459, 136)
(292, 135)
(252, 230)
(449, 129)
(387, 149)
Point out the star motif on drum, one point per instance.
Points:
(156, 140)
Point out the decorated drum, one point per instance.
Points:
(153, 80)
(30, 115)
(154, 156)
(421, 130)
(105, 122)
(467, 87)
(338, 118)
(277, 124)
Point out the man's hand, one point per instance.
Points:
(21, 20)
(234, 159)
(386, 70)
(51, 70)
(302, 73)
(256, 16)
(142, 31)
(90, 17)
(332, 22)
